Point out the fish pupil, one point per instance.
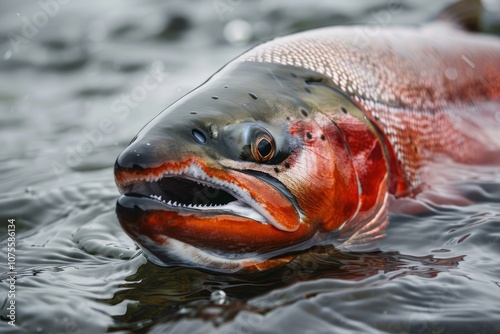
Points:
(264, 147)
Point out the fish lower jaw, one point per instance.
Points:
(237, 208)
(172, 252)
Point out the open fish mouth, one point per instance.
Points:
(190, 189)
(222, 220)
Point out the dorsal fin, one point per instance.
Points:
(466, 14)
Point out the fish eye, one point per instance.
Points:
(262, 146)
(251, 141)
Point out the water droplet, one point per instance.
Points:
(18, 14)
(7, 55)
(218, 297)
(148, 144)
(451, 73)
(238, 32)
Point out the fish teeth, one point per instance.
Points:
(148, 178)
(155, 197)
(197, 174)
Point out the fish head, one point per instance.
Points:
(240, 173)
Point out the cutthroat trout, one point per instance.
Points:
(300, 142)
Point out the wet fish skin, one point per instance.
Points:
(349, 124)
(436, 77)
(311, 149)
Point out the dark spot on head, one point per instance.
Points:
(410, 139)
(253, 96)
(287, 165)
(215, 97)
(309, 135)
(307, 89)
(276, 169)
(344, 110)
(288, 118)
(376, 117)
(293, 75)
(226, 86)
(193, 112)
(304, 112)
(323, 137)
(415, 148)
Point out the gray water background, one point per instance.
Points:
(71, 98)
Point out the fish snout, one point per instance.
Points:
(138, 155)
(154, 148)
(146, 158)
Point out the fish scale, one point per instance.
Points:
(403, 88)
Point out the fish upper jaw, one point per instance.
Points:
(187, 188)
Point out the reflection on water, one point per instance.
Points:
(171, 294)
(71, 100)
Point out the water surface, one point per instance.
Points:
(71, 98)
